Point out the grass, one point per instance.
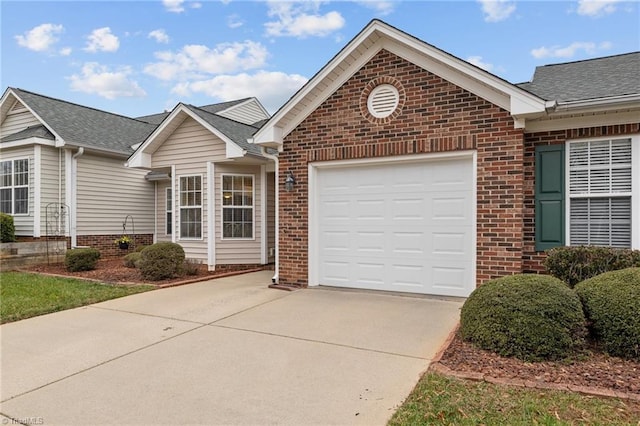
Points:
(440, 400)
(25, 295)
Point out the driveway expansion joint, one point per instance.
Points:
(148, 315)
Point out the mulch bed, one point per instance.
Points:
(113, 271)
(595, 373)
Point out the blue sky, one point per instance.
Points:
(142, 57)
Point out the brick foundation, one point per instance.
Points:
(107, 246)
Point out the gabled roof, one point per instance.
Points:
(233, 133)
(376, 36)
(81, 126)
(212, 108)
(38, 131)
(611, 76)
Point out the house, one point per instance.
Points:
(63, 172)
(215, 192)
(404, 168)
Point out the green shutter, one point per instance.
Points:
(550, 197)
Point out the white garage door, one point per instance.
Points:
(405, 227)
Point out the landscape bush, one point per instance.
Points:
(81, 259)
(190, 267)
(161, 260)
(530, 317)
(131, 260)
(7, 228)
(612, 306)
(575, 264)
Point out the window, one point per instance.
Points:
(14, 186)
(168, 212)
(191, 207)
(600, 189)
(237, 206)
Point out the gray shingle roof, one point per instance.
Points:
(83, 126)
(213, 108)
(234, 130)
(38, 131)
(589, 79)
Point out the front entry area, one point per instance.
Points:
(402, 225)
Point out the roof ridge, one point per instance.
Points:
(590, 59)
(77, 104)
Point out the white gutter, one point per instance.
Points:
(274, 279)
(74, 196)
(612, 102)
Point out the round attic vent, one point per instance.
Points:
(383, 101)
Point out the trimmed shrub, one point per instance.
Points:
(575, 264)
(190, 267)
(140, 248)
(530, 317)
(132, 259)
(612, 305)
(161, 260)
(81, 259)
(7, 228)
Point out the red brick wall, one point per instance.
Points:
(434, 116)
(532, 260)
(107, 246)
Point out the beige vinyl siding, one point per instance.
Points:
(271, 215)
(161, 210)
(107, 192)
(232, 251)
(189, 148)
(23, 223)
(52, 189)
(247, 113)
(17, 119)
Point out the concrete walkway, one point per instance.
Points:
(225, 351)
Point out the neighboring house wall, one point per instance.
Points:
(24, 223)
(532, 259)
(248, 113)
(107, 193)
(436, 116)
(18, 118)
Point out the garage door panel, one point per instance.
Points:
(397, 227)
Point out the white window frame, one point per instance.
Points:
(168, 206)
(635, 186)
(253, 206)
(181, 207)
(13, 186)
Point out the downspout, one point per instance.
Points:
(74, 196)
(274, 279)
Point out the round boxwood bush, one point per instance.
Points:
(530, 317)
(81, 259)
(7, 228)
(132, 259)
(161, 260)
(612, 305)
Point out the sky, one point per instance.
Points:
(142, 57)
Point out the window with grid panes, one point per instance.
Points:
(191, 207)
(600, 188)
(14, 186)
(237, 206)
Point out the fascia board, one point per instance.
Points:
(28, 141)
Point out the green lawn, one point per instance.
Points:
(24, 295)
(440, 400)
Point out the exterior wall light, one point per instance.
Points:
(289, 182)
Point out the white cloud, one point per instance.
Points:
(197, 61)
(497, 10)
(174, 6)
(301, 19)
(177, 6)
(478, 62)
(234, 21)
(40, 38)
(273, 89)
(65, 51)
(159, 35)
(570, 50)
(99, 80)
(381, 7)
(101, 39)
(596, 8)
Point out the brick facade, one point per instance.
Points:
(532, 260)
(434, 116)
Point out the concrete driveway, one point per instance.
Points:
(225, 351)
